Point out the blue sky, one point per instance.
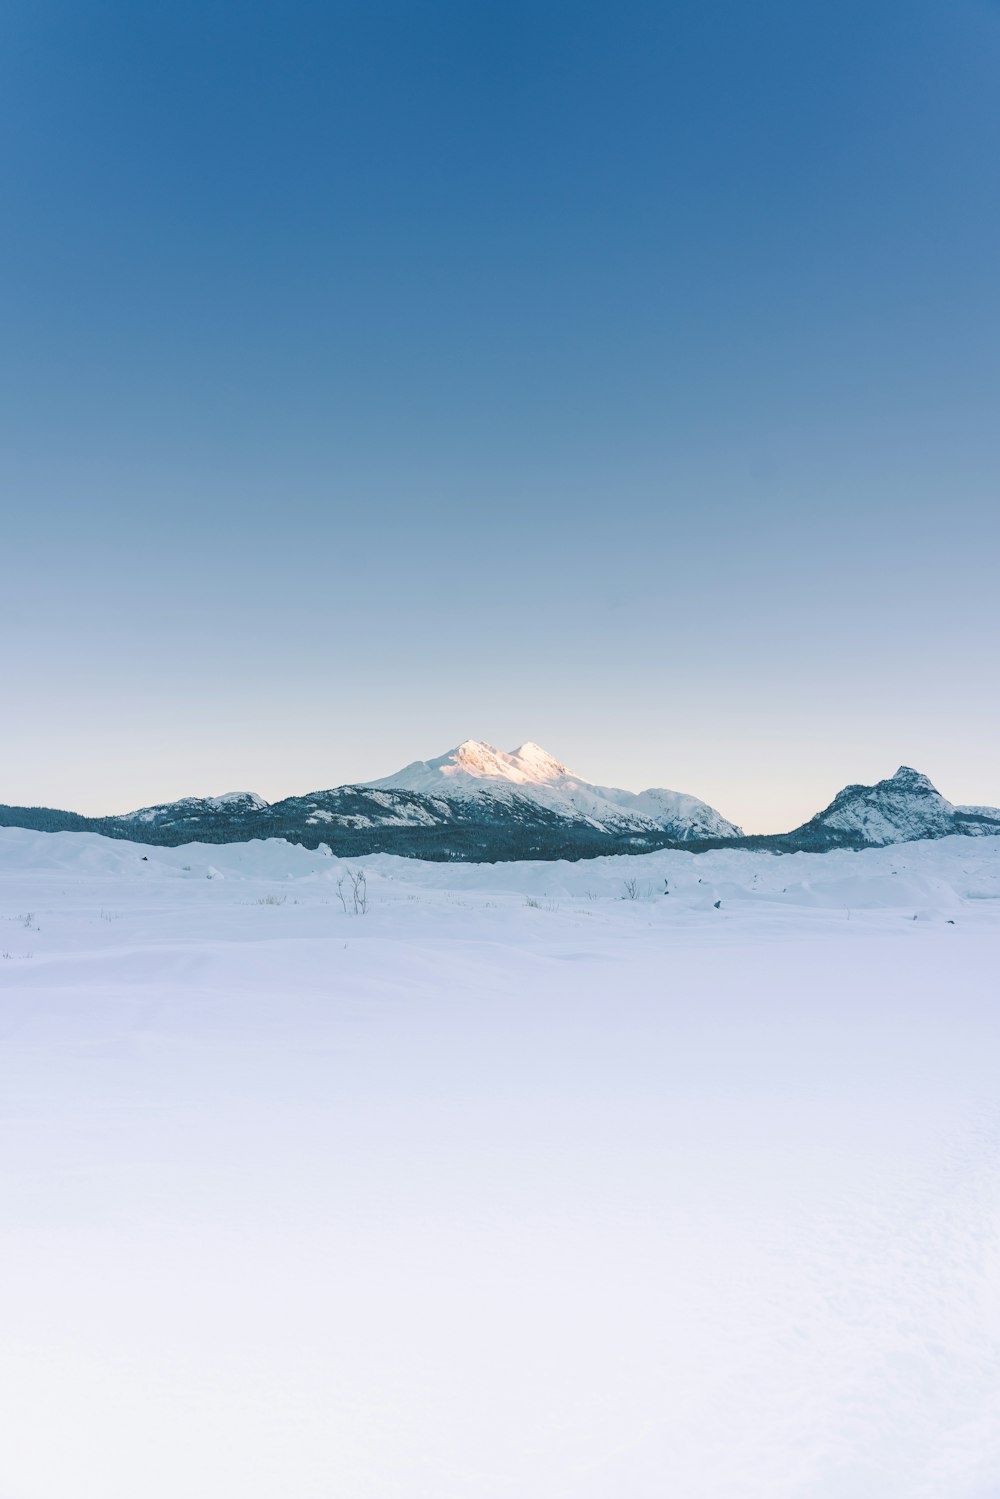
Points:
(621, 377)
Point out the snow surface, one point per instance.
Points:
(474, 769)
(514, 1186)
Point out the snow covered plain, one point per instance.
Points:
(513, 1186)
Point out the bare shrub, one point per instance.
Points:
(356, 892)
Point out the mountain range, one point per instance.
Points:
(480, 803)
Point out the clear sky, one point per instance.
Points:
(375, 375)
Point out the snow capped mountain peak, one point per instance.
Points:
(906, 778)
(474, 760)
(898, 809)
(530, 775)
(529, 762)
(531, 756)
(247, 799)
(194, 807)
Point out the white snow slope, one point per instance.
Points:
(515, 1187)
(477, 769)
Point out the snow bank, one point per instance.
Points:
(515, 1185)
(937, 875)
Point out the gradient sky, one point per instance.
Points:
(620, 376)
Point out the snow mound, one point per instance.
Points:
(945, 876)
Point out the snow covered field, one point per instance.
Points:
(514, 1186)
